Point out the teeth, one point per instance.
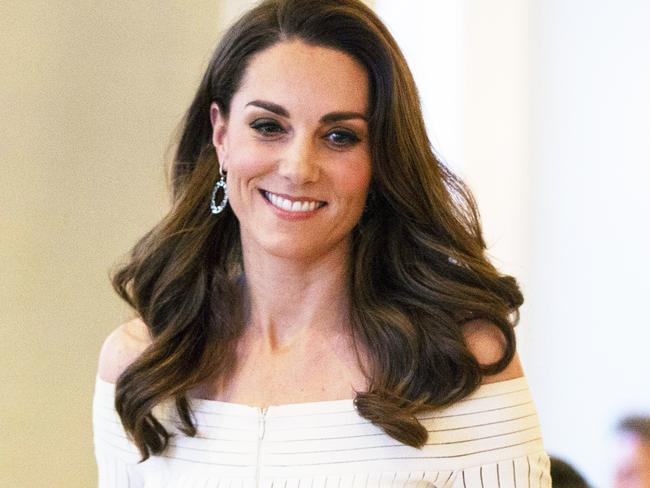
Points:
(290, 206)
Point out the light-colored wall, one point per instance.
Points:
(430, 34)
(90, 93)
(592, 223)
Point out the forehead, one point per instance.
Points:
(293, 73)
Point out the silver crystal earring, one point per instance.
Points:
(224, 200)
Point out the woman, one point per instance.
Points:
(317, 306)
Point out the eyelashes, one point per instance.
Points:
(270, 129)
(342, 137)
(267, 127)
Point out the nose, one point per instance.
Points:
(299, 163)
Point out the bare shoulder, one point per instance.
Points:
(486, 342)
(121, 348)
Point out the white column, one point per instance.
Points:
(430, 34)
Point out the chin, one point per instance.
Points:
(302, 248)
(288, 248)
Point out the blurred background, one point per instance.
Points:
(542, 106)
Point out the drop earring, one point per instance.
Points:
(224, 200)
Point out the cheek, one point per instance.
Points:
(245, 169)
(244, 153)
(354, 183)
(247, 163)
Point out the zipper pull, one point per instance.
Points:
(262, 426)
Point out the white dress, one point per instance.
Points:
(490, 439)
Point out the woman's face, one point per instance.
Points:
(295, 149)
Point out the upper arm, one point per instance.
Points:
(486, 342)
(123, 346)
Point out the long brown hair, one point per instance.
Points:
(419, 265)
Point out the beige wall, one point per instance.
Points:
(90, 93)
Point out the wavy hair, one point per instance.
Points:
(419, 268)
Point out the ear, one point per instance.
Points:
(219, 126)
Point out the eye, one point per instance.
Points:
(342, 138)
(267, 127)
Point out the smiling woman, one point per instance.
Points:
(296, 137)
(333, 320)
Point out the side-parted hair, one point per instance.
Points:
(419, 268)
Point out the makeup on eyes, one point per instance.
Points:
(270, 128)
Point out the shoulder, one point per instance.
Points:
(486, 342)
(121, 348)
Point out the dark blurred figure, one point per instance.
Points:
(565, 476)
(633, 464)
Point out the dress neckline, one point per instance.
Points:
(323, 406)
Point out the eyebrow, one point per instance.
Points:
(283, 112)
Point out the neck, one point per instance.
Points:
(287, 299)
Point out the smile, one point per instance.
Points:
(292, 205)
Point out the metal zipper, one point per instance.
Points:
(260, 437)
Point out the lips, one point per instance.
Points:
(292, 204)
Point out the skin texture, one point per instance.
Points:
(486, 342)
(633, 463)
(295, 127)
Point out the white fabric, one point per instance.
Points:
(490, 439)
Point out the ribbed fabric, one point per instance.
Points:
(490, 439)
